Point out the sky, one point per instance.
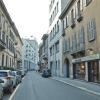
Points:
(29, 16)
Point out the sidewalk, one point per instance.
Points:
(83, 85)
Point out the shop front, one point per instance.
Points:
(79, 71)
(87, 68)
(93, 71)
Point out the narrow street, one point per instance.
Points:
(34, 87)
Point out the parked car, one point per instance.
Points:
(17, 76)
(22, 73)
(6, 76)
(46, 73)
(14, 78)
(1, 89)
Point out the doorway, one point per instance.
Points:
(93, 71)
(66, 68)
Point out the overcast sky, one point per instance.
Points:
(29, 16)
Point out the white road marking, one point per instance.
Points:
(82, 88)
(14, 92)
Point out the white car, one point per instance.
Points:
(1, 89)
(14, 78)
(6, 76)
(17, 76)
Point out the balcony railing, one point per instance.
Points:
(80, 50)
(2, 44)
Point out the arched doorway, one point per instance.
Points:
(66, 68)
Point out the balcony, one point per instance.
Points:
(79, 52)
(2, 44)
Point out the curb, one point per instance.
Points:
(81, 88)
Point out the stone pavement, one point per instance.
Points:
(90, 87)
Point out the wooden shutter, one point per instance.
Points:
(82, 39)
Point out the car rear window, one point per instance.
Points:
(3, 74)
(13, 74)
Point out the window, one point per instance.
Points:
(3, 36)
(67, 21)
(82, 38)
(57, 47)
(57, 26)
(55, 11)
(53, 32)
(65, 45)
(50, 35)
(57, 7)
(72, 18)
(55, 29)
(78, 8)
(2, 59)
(63, 24)
(79, 16)
(91, 30)
(74, 41)
(7, 41)
(51, 51)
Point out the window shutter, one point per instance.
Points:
(88, 31)
(64, 22)
(93, 29)
(82, 40)
(75, 41)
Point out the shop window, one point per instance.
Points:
(79, 71)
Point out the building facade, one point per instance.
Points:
(81, 39)
(45, 50)
(41, 62)
(18, 52)
(55, 44)
(29, 54)
(8, 34)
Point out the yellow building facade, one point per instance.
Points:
(81, 39)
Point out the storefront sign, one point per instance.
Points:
(87, 58)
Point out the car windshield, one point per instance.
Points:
(3, 74)
(13, 73)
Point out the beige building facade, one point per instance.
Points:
(8, 34)
(81, 39)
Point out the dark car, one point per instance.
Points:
(46, 73)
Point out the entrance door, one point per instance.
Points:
(66, 68)
(93, 71)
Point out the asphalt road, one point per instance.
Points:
(34, 87)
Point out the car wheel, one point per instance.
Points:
(11, 89)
